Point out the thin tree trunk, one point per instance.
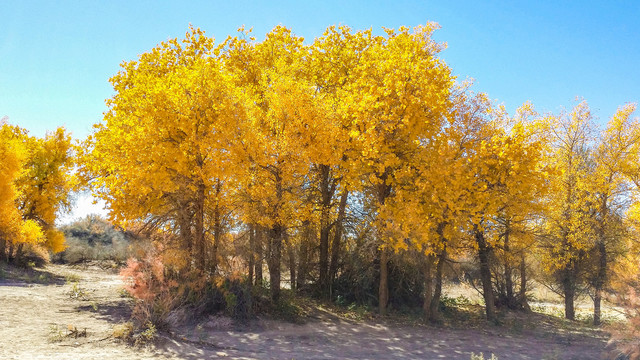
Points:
(292, 263)
(600, 281)
(337, 236)
(523, 283)
(252, 253)
(259, 254)
(217, 238)
(428, 287)
(304, 254)
(383, 191)
(508, 276)
(327, 188)
(484, 252)
(199, 228)
(601, 276)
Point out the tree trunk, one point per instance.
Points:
(383, 191)
(199, 228)
(304, 255)
(18, 256)
(10, 252)
(3, 248)
(292, 264)
(383, 289)
(259, 254)
(601, 246)
(428, 287)
(437, 292)
(327, 188)
(508, 276)
(600, 281)
(484, 252)
(568, 287)
(337, 236)
(184, 223)
(523, 283)
(275, 256)
(252, 253)
(217, 238)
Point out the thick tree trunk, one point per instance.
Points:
(186, 236)
(3, 249)
(437, 292)
(10, 252)
(275, 241)
(337, 237)
(383, 289)
(568, 288)
(18, 256)
(484, 252)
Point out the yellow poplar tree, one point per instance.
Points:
(619, 147)
(568, 229)
(160, 155)
(278, 138)
(399, 100)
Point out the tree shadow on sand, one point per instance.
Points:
(11, 275)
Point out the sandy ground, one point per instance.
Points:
(35, 316)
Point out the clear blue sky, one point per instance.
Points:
(56, 56)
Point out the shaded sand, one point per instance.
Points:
(35, 316)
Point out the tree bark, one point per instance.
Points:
(601, 246)
(217, 238)
(508, 276)
(199, 228)
(484, 252)
(184, 223)
(3, 249)
(600, 281)
(275, 241)
(327, 189)
(568, 285)
(383, 191)
(259, 236)
(252, 253)
(437, 292)
(337, 237)
(523, 283)
(304, 254)
(292, 264)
